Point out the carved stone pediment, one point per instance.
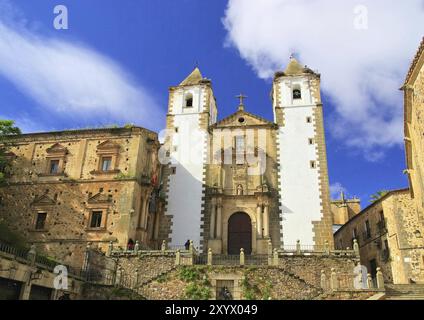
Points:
(57, 150)
(242, 118)
(99, 198)
(108, 146)
(43, 200)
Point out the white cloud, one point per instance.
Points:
(70, 79)
(335, 190)
(362, 70)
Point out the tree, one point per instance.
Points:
(378, 195)
(7, 129)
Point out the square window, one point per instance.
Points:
(96, 219)
(175, 148)
(54, 167)
(106, 163)
(173, 170)
(40, 222)
(313, 164)
(176, 129)
(309, 119)
(240, 147)
(311, 141)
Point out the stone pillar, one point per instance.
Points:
(135, 283)
(163, 247)
(259, 221)
(269, 247)
(143, 213)
(242, 261)
(380, 279)
(213, 219)
(266, 221)
(118, 276)
(323, 280)
(333, 281)
(31, 255)
(178, 258)
(326, 247)
(369, 281)
(109, 249)
(275, 258)
(146, 213)
(298, 250)
(356, 247)
(219, 222)
(209, 257)
(25, 291)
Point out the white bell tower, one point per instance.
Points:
(192, 109)
(303, 173)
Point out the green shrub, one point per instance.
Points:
(189, 274)
(195, 291)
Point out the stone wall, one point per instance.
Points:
(155, 276)
(308, 268)
(395, 241)
(102, 292)
(136, 270)
(414, 129)
(80, 187)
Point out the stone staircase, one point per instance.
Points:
(404, 292)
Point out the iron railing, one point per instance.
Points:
(6, 248)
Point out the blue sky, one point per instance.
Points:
(129, 52)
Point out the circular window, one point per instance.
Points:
(241, 120)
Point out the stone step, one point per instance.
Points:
(404, 297)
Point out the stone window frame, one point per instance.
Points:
(188, 97)
(237, 289)
(298, 90)
(37, 213)
(107, 149)
(97, 208)
(55, 153)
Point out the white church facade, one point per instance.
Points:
(242, 181)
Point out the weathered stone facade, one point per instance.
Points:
(389, 237)
(67, 189)
(344, 209)
(155, 276)
(414, 129)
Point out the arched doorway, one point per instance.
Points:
(239, 233)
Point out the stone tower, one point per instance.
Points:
(191, 110)
(301, 154)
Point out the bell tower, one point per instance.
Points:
(191, 110)
(302, 158)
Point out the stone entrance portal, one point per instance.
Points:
(239, 233)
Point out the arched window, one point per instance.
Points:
(188, 100)
(297, 94)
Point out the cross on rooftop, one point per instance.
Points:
(241, 96)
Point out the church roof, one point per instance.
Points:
(294, 67)
(195, 77)
(248, 119)
(415, 61)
